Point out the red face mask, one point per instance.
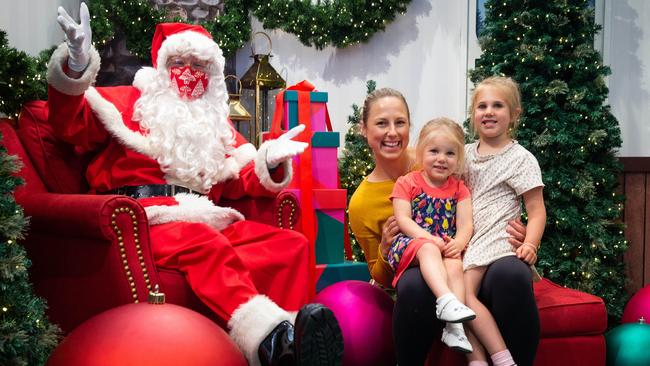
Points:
(188, 82)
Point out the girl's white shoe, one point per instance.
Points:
(454, 337)
(454, 311)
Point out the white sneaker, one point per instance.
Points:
(454, 311)
(456, 339)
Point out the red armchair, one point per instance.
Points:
(89, 253)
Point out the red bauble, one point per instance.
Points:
(147, 334)
(638, 307)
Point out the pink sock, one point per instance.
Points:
(503, 358)
(478, 363)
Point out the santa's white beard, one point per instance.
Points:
(190, 138)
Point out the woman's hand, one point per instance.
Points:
(388, 233)
(517, 231)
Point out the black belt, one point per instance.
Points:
(151, 190)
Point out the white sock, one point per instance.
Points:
(502, 358)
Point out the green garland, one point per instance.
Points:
(137, 20)
(340, 22)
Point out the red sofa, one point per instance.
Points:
(91, 253)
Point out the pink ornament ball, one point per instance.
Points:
(146, 334)
(637, 307)
(364, 313)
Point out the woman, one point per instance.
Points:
(385, 122)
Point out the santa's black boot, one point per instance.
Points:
(318, 339)
(278, 347)
(314, 341)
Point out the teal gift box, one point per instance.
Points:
(317, 110)
(329, 207)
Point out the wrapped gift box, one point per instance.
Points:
(329, 205)
(324, 169)
(317, 110)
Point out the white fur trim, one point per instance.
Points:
(193, 208)
(62, 82)
(232, 167)
(191, 43)
(244, 154)
(262, 170)
(144, 77)
(252, 322)
(112, 120)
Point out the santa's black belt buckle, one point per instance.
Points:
(151, 190)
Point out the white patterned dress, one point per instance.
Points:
(496, 183)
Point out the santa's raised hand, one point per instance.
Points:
(78, 37)
(284, 148)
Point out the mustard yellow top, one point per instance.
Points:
(369, 208)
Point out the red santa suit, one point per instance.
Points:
(228, 262)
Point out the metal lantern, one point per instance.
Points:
(238, 114)
(260, 84)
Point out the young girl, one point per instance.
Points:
(433, 210)
(499, 173)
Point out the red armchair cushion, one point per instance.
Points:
(60, 165)
(566, 312)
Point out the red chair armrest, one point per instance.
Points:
(89, 253)
(78, 215)
(281, 211)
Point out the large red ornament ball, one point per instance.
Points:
(147, 334)
(364, 313)
(637, 307)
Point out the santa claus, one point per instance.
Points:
(166, 140)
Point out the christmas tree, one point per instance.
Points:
(22, 77)
(356, 162)
(547, 47)
(26, 337)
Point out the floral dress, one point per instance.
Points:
(432, 208)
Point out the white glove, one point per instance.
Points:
(283, 148)
(77, 36)
(222, 217)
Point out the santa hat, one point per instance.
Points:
(172, 39)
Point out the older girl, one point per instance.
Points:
(500, 173)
